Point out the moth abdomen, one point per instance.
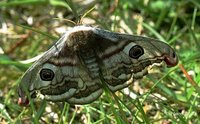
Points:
(89, 58)
(92, 66)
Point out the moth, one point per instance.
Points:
(72, 70)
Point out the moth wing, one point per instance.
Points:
(126, 57)
(69, 83)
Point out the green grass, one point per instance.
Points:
(165, 95)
